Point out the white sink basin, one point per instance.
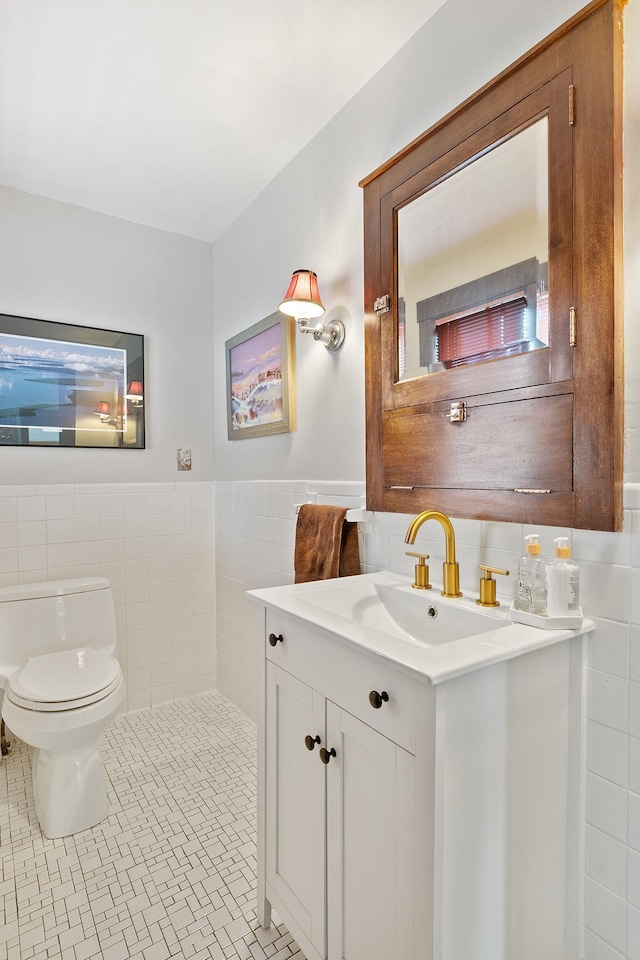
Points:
(434, 637)
(433, 619)
(395, 608)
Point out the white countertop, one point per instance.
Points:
(350, 608)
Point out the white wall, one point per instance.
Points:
(154, 543)
(124, 514)
(311, 216)
(60, 262)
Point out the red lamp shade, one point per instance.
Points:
(302, 299)
(103, 409)
(135, 389)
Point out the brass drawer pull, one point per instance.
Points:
(310, 741)
(377, 699)
(325, 755)
(273, 639)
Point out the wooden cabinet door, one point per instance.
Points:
(295, 795)
(370, 843)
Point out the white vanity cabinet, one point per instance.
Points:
(444, 824)
(339, 797)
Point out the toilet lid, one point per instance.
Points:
(48, 707)
(64, 676)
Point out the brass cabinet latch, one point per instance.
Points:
(382, 304)
(457, 412)
(530, 490)
(572, 104)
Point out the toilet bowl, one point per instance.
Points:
(61, 693)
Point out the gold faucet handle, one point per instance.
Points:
(488, 586)
(421, 571)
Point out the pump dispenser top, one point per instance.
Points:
(562, 547)
(533, 543)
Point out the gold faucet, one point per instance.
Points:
(450, 568)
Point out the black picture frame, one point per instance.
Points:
(65, 385)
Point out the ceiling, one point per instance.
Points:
(177, 113)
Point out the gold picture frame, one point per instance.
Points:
(261, 379)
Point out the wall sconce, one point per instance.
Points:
(302, 301)
(134, 393)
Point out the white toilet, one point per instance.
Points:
(63, 687)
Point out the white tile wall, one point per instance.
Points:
(155, 543)
(255, 533)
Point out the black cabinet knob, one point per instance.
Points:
(275, 638)
(325, 755)
(377, 699)
(310, 741)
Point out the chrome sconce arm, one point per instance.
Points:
(331, 334)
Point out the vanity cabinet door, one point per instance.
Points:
(295, 802)
(370, 843)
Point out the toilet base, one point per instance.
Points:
(69, 790)
(68, 777)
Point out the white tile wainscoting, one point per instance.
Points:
(155, 543)
(255, 534)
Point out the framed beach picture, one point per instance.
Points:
(260, 379)
(63, 385)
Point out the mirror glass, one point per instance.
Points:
(473, 255)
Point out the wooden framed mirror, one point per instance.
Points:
(493, 296)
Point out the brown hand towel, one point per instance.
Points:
(326, 544)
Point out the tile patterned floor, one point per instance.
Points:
(169, 873)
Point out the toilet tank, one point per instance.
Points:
(38, 618)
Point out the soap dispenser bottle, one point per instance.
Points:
(530, 595)
(563, 581)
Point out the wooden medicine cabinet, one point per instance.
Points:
(493, 289)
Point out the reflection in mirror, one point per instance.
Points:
(473, 260)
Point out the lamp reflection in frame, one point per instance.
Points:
(103, 410)
(302, 301)
(117, 419)
(135, 393)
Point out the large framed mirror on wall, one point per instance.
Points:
(493, 296)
